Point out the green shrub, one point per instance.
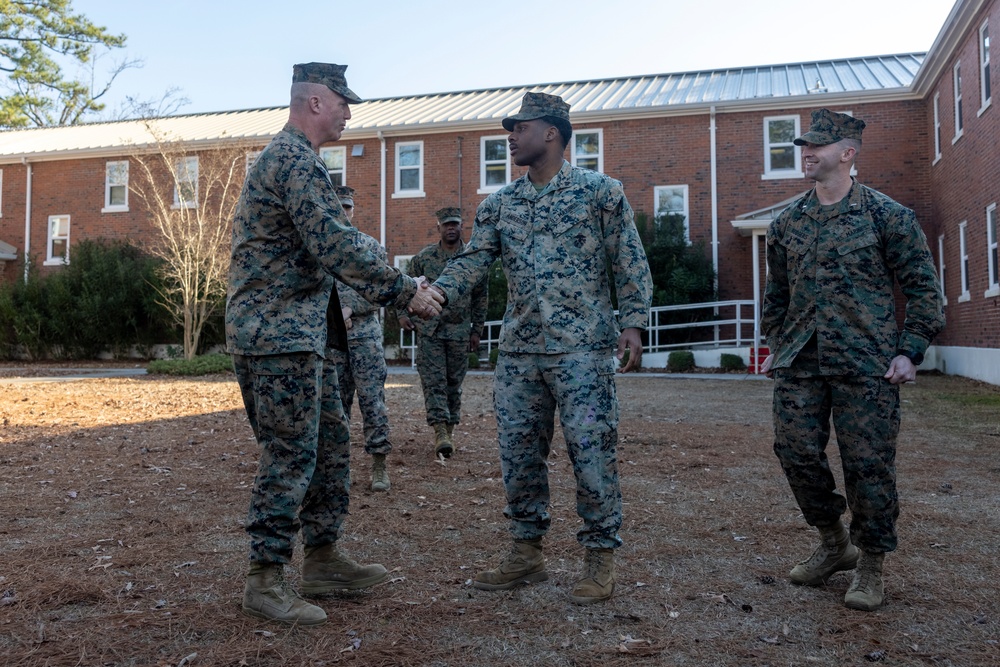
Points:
(473, 360)
(103, 300)
(732, 362)
(206, 364)
(494, 355)
(680, 361)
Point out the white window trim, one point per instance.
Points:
(49, 259)
(774, 174)
(937, 128)
(400, 261)
(984, 66)
(941, 269)
(956, 90)
(419, 192)
(197, 173)
(108, 207)
(687, 206)
(573, 157)
(991, 246)
(489, 189)
(343, 160)
(963, 262)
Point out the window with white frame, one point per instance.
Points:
(941, 267)
(937, 127)
(57, 246)
(782, 158)
(956, 82)
(991, 250)
(963, 259)
(588, 149)
(115, 186)
(672, 200)
(186, 186)
(335, 159)
(985, 92)
(402, 262)
(409, 169)
(494, 164)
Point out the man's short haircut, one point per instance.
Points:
(564, 127)
(853, 143)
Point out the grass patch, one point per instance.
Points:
(206, 364)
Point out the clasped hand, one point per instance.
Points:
(427, 301)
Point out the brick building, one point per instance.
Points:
(714, 146)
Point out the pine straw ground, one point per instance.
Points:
(123, 499)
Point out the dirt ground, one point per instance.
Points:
(122, 543)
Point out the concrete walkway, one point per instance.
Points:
(71, 374)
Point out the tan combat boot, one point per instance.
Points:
(523, 565)
(866, 592)
(834, 554)
(326, 569)
(597, 583)
(380, 476)
(267, 595)
(442, 440)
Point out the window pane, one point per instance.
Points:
(496, 149)
(587, 163)
(409, 179)
(333, 159)
(58, 227)
(118, 173)
(58, 248)
(780, 131)
(783, 158)
(671, 201)
(337, 178)
(117, 195)
(587, 144)
(409, 156)
(496, 174)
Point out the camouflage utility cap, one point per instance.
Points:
(328, 74)
(537, 105)
(449, 214)
(345, 194)
(829, 127)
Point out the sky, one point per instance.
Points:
(222, 55)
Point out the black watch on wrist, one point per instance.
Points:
(916, 357)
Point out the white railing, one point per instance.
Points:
(725, 324)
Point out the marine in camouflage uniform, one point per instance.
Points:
(560, 232)
(829, 317)
(290, 239)
(444, 342)
(361, 369)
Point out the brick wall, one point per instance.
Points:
(963, 183)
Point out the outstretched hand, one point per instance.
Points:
(426, 302)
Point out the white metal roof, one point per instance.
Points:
(657, 94)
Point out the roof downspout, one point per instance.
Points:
(715, 202)
(381, 139)
(27, 217)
